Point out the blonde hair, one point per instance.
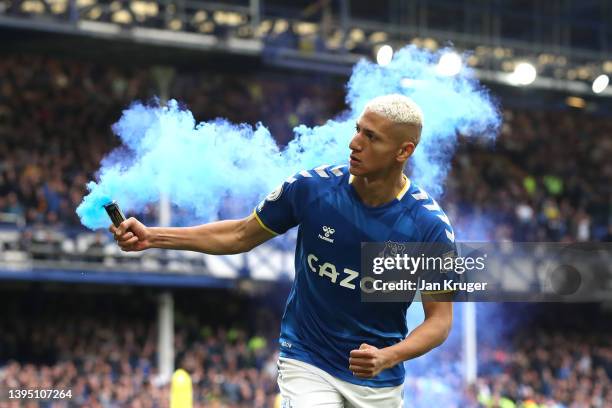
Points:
(398, 109)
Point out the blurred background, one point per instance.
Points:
(78, 314)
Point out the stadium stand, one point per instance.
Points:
(102, 346)
(72, 103)
(69, 67)
(55, 117)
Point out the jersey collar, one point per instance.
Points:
(399, 195)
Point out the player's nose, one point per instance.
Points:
(354, 144)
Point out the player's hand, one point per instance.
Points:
(368, 361)
(131, 235)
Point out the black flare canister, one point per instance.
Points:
(114, 212)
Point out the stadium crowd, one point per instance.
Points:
(548, 368)
(106, 359)
(113, 365)
(548, 178)
(527, 358)
(55, 118)
(105, 352)
(543, 360)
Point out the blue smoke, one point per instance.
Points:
(450, 105)
(165, 151)
(436, 378)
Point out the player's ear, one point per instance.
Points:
(405, 151)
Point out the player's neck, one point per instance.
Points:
(377, 191)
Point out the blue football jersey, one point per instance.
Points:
(324, 318)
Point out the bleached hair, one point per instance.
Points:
(398, 109)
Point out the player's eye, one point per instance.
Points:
(357, 128)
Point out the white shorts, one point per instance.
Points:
(304, 385)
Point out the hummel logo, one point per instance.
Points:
(327, 232)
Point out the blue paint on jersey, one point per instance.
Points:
(324, 318)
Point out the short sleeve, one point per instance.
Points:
(279, 211)
(440, 251)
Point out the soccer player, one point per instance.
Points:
(336, 351)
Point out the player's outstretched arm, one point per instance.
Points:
(216, 238)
